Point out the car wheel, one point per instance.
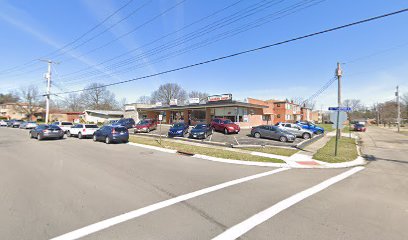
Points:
(148, 130)
(94, 138)
(31, 135)
(283, 139)
(225, 131)
(205, 136)
(80, 135)
(306, 136)
(107, 140)
(61, 137)
(68, 134)
(39, 138)
(257, 135)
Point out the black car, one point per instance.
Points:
(126, 122)
(201, 131)
(45, 131)
(110, 134)
(178, 130)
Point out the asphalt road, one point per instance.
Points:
(51, 188)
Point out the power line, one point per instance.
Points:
(248, 51)
(189, 37)
(72, 42)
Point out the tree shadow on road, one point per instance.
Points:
(372, 158)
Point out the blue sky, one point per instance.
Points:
(374, 53)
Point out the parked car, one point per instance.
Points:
(145, 125)
(45, 131)
(30, 125)
(311, 127)
(112, 133)
(82, 130)
(15, 123)
(272, 132)
(178, 129)
(3, 123)
(22, 125)
(201, 131)
(64, 125)
(359, 127)
(224, 125)
(126, 122)
(295, 130)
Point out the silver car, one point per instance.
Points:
(295, 130)
(273, 132)
(45, 131)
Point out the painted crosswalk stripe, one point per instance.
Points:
(243, 227)
(154, 207)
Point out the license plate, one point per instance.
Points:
(122, 133)
(194, 135)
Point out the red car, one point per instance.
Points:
(224, 125)
(145, 125)
(359, 128)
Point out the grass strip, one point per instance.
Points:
(213, 152)
(347, 151)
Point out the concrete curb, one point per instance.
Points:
(290, 161)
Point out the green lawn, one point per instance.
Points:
(272, 150)
(327, 127)
(347, 151)
(213, 152)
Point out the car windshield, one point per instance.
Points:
(178, 125)
(31, 122)
(91, 126)
(54, 127)
(359, 125)
(143, 122)
(66, 123)
(227, 121)
(200, 126)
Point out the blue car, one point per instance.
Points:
(178, 130)
(311, 127)
(111, 134)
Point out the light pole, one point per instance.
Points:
(338, 75)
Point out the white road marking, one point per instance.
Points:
(243, 227)
(154, 207)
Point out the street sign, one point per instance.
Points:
(160, 117)
(342, 118)
(342, 109)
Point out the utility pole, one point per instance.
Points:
(398, 110)
(47, 95)
(378, 114)
(338, 75)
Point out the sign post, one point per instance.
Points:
(160, 122)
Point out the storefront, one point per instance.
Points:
(242, 113)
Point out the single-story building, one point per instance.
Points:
(219, 106)
(65, 116)
(100, 116)
(131, 111)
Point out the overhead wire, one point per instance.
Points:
(247, 51)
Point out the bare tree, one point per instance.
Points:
(200, 95)
(404, 107)
(167, 92)
(30, 100)
(355, 104)
(9, 98)
(144, 99)
(96, 96)
(73, 103)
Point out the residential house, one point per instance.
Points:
(20, 111)
(100, 116)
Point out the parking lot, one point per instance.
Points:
(242, 138)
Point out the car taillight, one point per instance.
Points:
(113, 130)
(45, 131)
(83, 130)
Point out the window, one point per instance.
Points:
(287, 125)
(278, 105)
(266, 117)
(279, 116)
(91, 126)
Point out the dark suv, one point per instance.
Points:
(126, 122)
(110, 134)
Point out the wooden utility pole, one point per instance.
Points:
(398, 109)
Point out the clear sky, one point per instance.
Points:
(150, 36)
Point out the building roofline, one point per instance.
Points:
(207, 105)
